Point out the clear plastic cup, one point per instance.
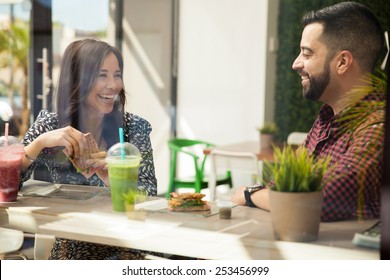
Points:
(225, 209)
(123, 162)
(11, 158)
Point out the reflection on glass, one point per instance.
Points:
(14, 47)
(73, 20)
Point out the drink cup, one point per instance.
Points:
(123, 162)
(11, 157)
(225, 209)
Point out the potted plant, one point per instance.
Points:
(267, 132)
(296, 193)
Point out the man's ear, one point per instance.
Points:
(344, 61)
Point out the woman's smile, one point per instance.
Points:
(106, 88)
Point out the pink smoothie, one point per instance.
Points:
(10, 164)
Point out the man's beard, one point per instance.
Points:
(317, 85)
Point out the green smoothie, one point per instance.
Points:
(123, 176)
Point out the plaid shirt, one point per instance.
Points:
(353, 184)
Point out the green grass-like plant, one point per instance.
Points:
(296, 171)
(132, 196)
(358, 109)
(268, 128)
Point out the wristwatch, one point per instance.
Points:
(248, 193)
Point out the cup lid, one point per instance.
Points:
(12, 141)
(123, 151)
(225, 203)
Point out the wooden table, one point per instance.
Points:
(248, 235)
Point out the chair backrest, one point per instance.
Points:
(42, 246)
(179, 143)
(187, 146)
(296, 138)
(11, 241)
(235, 161)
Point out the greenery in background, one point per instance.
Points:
(355, 115)
(268, 128)
(14, 49)
(296, 171)
(292, 111)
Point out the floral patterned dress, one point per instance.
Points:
(52, 165)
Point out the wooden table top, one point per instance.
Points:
(248, 235)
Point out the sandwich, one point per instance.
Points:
(80, 163)
(186, 202)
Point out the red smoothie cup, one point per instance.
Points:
(11, 157)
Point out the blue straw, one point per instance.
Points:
(122, 141)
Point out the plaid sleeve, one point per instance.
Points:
(353, 185)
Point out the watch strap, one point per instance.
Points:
(248, 200)
(248, 194)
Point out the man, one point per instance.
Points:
(340, 44)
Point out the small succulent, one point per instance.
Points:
(268, 128)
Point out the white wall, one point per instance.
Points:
(221, 72)
(222, 53)
(146, 51)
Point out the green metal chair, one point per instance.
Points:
(199, 180)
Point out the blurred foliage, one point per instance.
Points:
(292, 111)
(15, 42)
(14, 51)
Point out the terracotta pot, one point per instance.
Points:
(266, 141)
(296, 216)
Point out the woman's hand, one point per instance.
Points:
(73, 140)
(98, 164)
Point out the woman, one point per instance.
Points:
(90, 99)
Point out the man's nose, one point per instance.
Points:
(297, 64)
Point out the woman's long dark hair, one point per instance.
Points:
(79, 69)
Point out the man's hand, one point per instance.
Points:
(238, 196)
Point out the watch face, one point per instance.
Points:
(254, 188)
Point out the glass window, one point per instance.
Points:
(73, 20)
(14, 47)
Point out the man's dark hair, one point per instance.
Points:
(350, 26)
